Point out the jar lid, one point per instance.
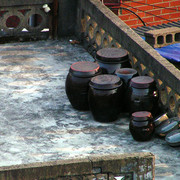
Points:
(84, 69)
(141, 82)
(112, 55)
(173, 138)
(125, 71)
(141, 115)
(166, 128)
(160, 119)
(106, 81)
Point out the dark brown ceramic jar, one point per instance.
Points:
(111, 59)
(141, 126)
(77, 83)
(126, 74)
(143, 95)
(105, 97)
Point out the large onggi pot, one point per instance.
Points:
(77, 83)
(105, 97)
(111, 59)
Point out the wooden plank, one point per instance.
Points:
(4, 3)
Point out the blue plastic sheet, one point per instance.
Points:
(170, 52)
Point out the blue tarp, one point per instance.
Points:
(170, 52)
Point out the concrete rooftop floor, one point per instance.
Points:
(38, 123)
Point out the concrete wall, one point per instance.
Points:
(132, 166)
(67, 17)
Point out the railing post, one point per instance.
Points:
(67, 17)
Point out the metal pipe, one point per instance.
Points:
(131, 12)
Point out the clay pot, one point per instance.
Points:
(111, 59)
(143, 95)
(77, 83)
(105, 97)
(141, 126)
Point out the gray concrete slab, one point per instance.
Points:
(38, 123)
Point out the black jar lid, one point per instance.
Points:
(142, 82)
(126, 71)
(106, 81)
(112, 55)
(84, 69)
(141, 116)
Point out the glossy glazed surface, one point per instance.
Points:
(141, 130)
(77, 83)
(126, 74)
(143, 99)
(105, 104)
(77, 91)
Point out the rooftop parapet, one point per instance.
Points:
(99, 27)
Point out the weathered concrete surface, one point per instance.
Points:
(131, 165)
(38, 123)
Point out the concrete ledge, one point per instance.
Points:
(20, 2)
(136, 165)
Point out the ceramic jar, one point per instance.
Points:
(111, 59)
(141, 126)
(143, 95)
(77, 83)
(105, 97)
(126, 74)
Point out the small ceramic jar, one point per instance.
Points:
(111, 59)
(143, 95)
(141, 126)
(105, 97)
(77, 83)
(126, 74)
